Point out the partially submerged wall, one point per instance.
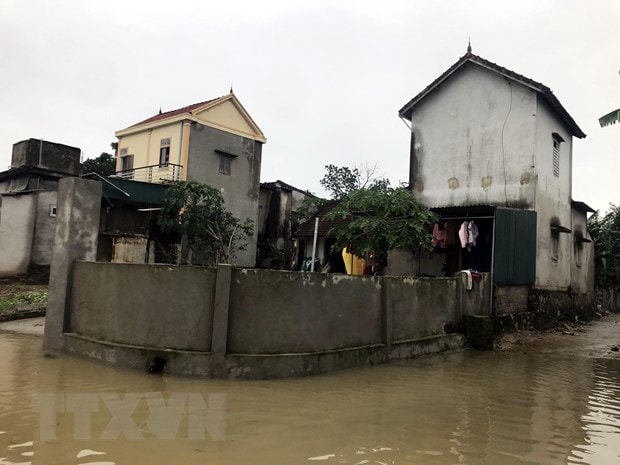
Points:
(234, 322)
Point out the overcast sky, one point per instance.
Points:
(324, 80)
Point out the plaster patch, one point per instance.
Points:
(526, 178)
(336, 278)
(486, 182)
(453, 183)
(418, 185)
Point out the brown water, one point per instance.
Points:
(556, 403)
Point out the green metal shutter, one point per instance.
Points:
(515, 246)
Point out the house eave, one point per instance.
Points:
(407, 110)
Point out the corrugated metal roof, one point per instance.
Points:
(138, 191)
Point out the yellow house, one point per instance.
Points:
(214, 142)
(157, 149)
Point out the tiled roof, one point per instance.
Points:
(306, 230)
(582, 206)
(167, 114)
(285, 187)
(543, 90)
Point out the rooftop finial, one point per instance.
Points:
(160, 108)
(231, 87)
(469, 45)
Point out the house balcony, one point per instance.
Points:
(157, 174)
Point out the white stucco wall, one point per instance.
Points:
(474, 142)
(553, 201)
(17, 218)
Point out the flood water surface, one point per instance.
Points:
(556, 401)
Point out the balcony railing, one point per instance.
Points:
(158, 174)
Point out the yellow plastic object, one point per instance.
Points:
(354, 264)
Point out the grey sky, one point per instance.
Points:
(324, 80)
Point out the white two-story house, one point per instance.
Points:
(494, 147)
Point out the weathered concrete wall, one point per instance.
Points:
(240, 188)
(75, 238)
(43, 243)
(473, 142)
(547, 308)
(421, 307)
(17, 220)
(155, 306)
(510, 300)
(129, 249)
(582, 266)
(280, 312)
(50, 155)
(257, 323)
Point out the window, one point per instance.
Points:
(52, 211)
(164, 152)
(126, 162)
(225, 162)
(578, 253)
(555, 245)
(557, 140)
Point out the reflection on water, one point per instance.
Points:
(468, 407)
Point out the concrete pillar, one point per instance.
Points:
(75, 238)
(386, 314)
(220, 309)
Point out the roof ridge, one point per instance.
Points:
(177, 111)
(539, 87)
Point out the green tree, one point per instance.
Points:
(340, 181)
(381, 218)
(605, 232)
(197, 212)
(104, 164)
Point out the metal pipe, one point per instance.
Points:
(105, 180)
(492, 265)
(316, 232)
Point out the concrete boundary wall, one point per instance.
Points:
(249, 323)
(233, 322)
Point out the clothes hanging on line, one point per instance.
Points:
(468, 233)
(439, 236)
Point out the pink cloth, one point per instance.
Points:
(439, 236)
(464, 234)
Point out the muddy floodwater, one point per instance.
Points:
(553, 401)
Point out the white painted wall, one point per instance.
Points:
(475, 142)
(482, 140)
(553, 201)
(17, 218)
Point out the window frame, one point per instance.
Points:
(164, 152)
(554, 246)
(126, 162)
(226, 164)
(557, 152)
